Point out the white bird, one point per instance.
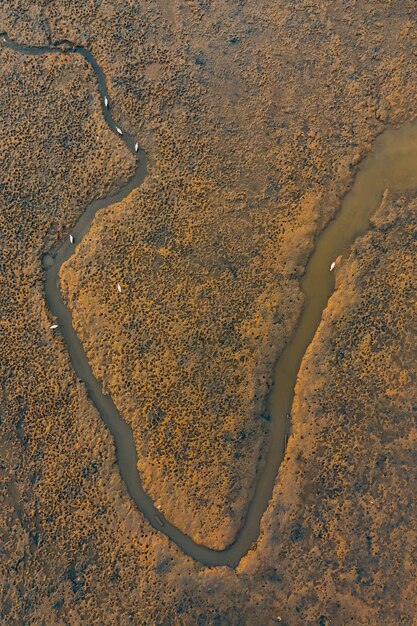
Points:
(119, 289)
(106, 102)
(71, 239)
(136, 147)
(119, 130)
(333, 265)
(54, 326)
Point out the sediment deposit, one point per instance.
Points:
(344, 506)
(254, 121)
(212, 246)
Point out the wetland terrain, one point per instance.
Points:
(157, 467)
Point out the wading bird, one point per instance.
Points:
(332, 266)
(106, 102)
(71, 239)
(159, 520)
(136, 147)
(54, 326)
(119, 130)
(119, 289)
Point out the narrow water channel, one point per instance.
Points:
(392, 164)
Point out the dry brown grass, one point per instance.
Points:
(254, 120)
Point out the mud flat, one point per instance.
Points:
(393, 163)
(212, 246)
(345, 500)
(244, 148)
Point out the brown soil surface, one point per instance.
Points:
(341, 530)
(248, 151)
(254, 120)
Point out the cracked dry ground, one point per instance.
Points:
(254, 120)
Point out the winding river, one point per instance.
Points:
(392, 164)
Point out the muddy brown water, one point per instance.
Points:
(391, 164)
